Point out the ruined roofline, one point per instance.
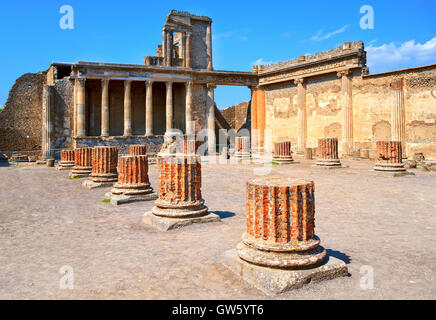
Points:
(160, 68)
(187, 14)
(344, 49)
(429, 66)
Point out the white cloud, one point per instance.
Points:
(260, 61)
(389, 56)
(319, 36)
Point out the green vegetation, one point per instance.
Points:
(76, 177)
(273, 163)
(106, 200)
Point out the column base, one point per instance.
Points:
(81, 172)
(122, 193)
(166, 224)
(118, 199)
(328, 162)
(392, 173)
(90, 184)
(391, 167)
(283, 159)
(274, 281)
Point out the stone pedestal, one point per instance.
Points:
(133, 182)
(308, 154)
(180, 201)
(67, 160)
(328, 153)
(282, 152)
(281, 237)
(138, 150)
(389, 157)
(224, 153)
(242, 148)
(82, 163)
(104, 167)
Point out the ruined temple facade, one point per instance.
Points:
(325, 95)
(332, 95)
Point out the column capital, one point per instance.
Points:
(344, 73)
(169, 84)
(299, 81)
(189, 83)
(81, 81)
(127, 82)
(149, 82)
(211, 86)
(396, 84)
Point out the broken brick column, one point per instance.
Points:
(190, 146)
(180, 202)
(82, 162)
(389, 156)
(328, 152)
(133, 181)
(104, 167)
(137, 150)
(282, 152)
(179, 187)
(67, 160)
(242, 147)
(281, 224)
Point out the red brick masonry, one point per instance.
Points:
(281, 224)
(82, 162)
(389, 156)
(179, 187)
(67, 159)
(328, 152)
(282, 151)
(138, 150)
(104, 164)
(132, 176)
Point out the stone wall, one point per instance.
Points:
(372, 101)
(63, 114)
(153, 143)
(21, 119)
(237, 116)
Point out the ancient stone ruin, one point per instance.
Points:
(133, 181)
(282, 152)
(104, 167)
(67, 160)
(242, 148)
(280, 250)
(82, 163)
(328, 153)
(180, 201)
(138, 150)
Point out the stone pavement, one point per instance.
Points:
(48, 221)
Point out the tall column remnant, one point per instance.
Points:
(188, 51)
(169, 106)
(133, 181)
(254, 125)
(104, 167)
(180, 200)
(127, 108)
(398, 118)
(242, 148)
(282, 152)
(67, 160)
(190, 131)
(279, 250)
(347, 110)
(328, 153)
(211, 139)
(82, 163)
(81, 108)
(149, 109)
(389, 157)
(302, 116)
(105, 108)
(209, 46)
(47, 121)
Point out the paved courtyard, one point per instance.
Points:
(48, 221)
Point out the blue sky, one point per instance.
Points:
(244, 33)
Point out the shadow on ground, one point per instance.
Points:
(224, 214)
